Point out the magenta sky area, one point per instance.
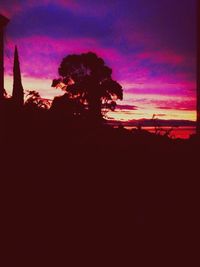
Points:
(149, 44)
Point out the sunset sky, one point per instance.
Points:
(149, 44)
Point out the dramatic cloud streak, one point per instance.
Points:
(150, 45)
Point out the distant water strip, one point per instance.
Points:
(183, 132)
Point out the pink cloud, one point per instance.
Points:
(157, 103)
(135, 78)
(128, 69)
(162, 57)
(140, 87)
(185, 105)
(44, 62)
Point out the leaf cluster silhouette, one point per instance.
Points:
(89, 80)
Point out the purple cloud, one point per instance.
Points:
(150, 45)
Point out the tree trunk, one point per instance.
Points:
(95, 107)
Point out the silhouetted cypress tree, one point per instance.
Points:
(18, 91)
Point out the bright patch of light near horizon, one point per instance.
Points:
(145, 110)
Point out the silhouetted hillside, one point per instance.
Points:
(151, 122)
(96, 182)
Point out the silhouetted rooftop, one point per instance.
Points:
(3, 21)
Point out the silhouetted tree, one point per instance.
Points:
(88, 79)
(67, 106)
(5, 94)
(34, 100)
(18, 91)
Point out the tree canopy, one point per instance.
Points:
(88, 79)
(34, 101)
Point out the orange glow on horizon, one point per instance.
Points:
(144, 110)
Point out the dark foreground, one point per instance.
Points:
(100, 186)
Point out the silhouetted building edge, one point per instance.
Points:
(198, 68)
(3, 22)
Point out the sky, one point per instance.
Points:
(149, 44)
